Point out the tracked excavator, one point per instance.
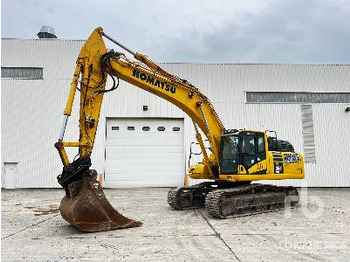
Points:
(235, 159)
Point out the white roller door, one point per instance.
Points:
(144, 152)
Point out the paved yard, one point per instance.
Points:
(318, 230)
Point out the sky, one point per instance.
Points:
(227, 31)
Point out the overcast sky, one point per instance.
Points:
(235, 31)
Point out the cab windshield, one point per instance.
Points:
(229, 154)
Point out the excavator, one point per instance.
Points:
(235, 157)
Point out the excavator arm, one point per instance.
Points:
(85, 205)
(95, 63)
(175, 90)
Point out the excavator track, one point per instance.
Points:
(189, 197)
(250, 200)
(194, 196)
(229, 199)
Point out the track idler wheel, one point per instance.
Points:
(86, 207)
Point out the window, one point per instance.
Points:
(261, 144)
(161, 128)
(298, 97)
(248, 144)
(248, 150)
(22, 72)
(146, 128)
(131, 128)
(229, 154)
(261, 148)
(115, 127)
(176, 128)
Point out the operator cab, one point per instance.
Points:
(245, 148)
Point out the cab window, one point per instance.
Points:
(248, 150)
(261, 148)
(229, 154)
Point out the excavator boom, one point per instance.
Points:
(84, 201)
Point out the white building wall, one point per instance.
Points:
(32, 110)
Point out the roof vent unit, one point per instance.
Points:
(46, 32)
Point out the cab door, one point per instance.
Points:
(229, 159)
(252, 153)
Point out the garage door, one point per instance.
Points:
(144, 153)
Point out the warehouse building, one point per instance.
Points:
(144, 141)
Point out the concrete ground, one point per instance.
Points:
(318, 230)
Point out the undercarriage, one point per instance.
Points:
(223, 199)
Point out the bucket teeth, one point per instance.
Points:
(86, 207)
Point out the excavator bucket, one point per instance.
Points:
(85, 206)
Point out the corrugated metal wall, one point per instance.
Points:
(32, 109)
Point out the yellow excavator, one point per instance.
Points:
(235, 157)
